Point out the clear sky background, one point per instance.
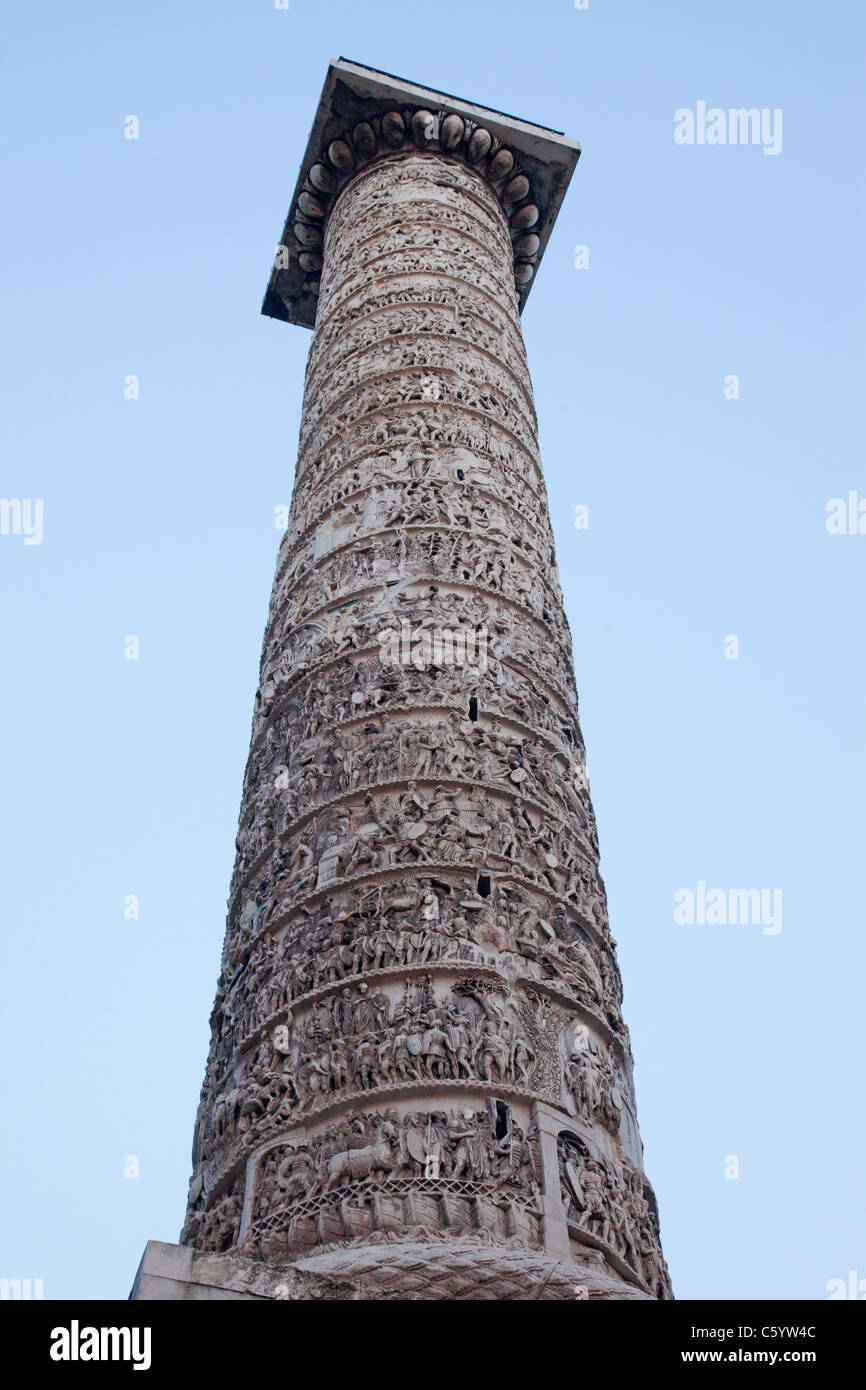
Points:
(707, 519)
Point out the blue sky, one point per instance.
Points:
(707, 519)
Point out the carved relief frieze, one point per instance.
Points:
(417, 961)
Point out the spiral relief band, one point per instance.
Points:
(419, 1077)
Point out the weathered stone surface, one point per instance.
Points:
(404, 1271)
(420, 1081)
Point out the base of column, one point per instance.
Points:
(400, 1270)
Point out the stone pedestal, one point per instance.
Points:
(405, 1272)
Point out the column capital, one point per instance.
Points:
(364, 116)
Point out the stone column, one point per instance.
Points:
(420, 1079)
